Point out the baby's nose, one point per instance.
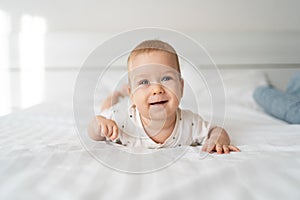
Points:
(158, 89)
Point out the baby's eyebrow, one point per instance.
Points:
(170, 72)
(139, 75)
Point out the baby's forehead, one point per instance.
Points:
(152, 70)
(153, 67)
(153, 58)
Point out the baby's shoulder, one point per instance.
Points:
(118, 108)
(188, 115)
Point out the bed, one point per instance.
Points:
(43, 157)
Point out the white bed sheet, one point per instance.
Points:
(41, 157)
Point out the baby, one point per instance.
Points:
(154, 119)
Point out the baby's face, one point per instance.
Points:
(155, 84)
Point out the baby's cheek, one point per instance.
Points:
(139, 98)
(175, 90)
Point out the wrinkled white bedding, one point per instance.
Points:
(41, 157)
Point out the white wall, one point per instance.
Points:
(189, 15)
(235, 33)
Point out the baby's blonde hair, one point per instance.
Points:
(149, 46)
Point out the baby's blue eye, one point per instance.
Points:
(166, 78)
(143, 82)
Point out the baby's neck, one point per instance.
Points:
(159, 130)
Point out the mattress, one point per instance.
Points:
(43, 157)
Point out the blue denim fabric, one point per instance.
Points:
(284, 106)
(293, 86)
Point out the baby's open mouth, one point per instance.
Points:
(159, 103)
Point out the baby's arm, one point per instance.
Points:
(101, 128)
(219, 141)
(114, 97)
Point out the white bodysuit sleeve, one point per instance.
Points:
(202, 128)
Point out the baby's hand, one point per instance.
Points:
(106, 128)
(219, 142)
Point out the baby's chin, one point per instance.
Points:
(160, 114)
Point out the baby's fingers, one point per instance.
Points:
(209, 147)
(226, 149)
(114, 133)
(104, 130)
(233, 148)
(109, 130)
(219, 148)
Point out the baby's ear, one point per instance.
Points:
(182, 86)
(130, 94)
(129, 90)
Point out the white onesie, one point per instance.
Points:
(190, 128)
